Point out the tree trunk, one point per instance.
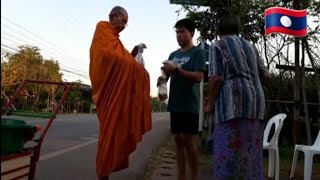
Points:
(304, 94)
(7, 100)
(265, 51)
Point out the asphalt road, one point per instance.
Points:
(69, 149)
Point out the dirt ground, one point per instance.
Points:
(162, 164)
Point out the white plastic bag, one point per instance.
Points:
(162, 88)
(139, 56)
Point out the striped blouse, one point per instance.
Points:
(241, 94)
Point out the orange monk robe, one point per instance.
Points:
(121, 92)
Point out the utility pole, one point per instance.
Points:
(304, 94)
(296, 106)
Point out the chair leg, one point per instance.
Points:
(271, 163)
(308, 161)
(277, 166)
(294, 162)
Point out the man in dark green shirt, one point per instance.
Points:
(186, 68)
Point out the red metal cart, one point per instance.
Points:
(22, 165)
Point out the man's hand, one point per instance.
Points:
(135, 51)
(161, 80)
(208, 108)
(168, 67)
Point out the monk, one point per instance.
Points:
(121, 92)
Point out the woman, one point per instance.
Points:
(235, 93)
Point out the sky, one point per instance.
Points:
(63, 30)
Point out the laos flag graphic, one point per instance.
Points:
(286, 21)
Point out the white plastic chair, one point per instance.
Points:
(272, 146)
(309, 152)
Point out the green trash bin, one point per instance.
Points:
(14, 134)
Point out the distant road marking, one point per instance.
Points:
(72, 148)
(88, 138)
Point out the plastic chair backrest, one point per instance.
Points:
(277, 120)
(317, 141)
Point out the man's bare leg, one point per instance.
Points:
(191, 144)
(181, 159)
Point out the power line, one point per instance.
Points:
(3, 50)
(27, 30)
(45, 47)
(69, 65)
(44, 40)
(48, 42)
(5, 26)
(81, 75)
(9, 47)
(13, 50)
(62, 68)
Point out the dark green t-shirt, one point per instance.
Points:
(184, 94)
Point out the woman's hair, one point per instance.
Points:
(228, 25)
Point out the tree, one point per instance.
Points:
(28, 63)
(75, 96)
(157, 105)
(49, 69)
(251, 13)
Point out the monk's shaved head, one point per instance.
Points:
(118, 10)
(118, 17)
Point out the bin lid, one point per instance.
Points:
(13, 123)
